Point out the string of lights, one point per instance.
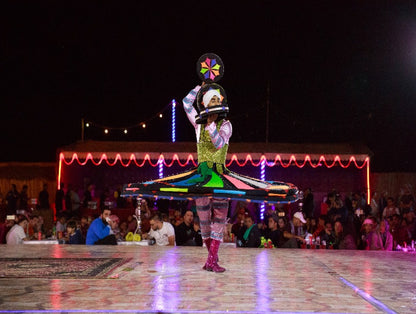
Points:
(107, 129)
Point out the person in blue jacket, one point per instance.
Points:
(100, 230)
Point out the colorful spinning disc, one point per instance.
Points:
(210, 68)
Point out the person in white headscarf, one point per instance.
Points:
(212, 140)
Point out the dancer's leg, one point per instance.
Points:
(203, 208)
(220, 210)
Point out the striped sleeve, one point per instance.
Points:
(221, 137)
(188, 102)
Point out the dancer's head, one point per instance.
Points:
(211, 100)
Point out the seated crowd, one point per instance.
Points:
(339, 223)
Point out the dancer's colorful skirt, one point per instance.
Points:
(214, 181)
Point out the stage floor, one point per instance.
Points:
(170, 280)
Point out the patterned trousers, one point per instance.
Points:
(212, 216)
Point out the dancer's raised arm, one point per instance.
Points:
(188, 102)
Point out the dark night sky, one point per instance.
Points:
(338, 71)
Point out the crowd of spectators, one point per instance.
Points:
(338, 222)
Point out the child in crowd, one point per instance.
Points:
(74, 234)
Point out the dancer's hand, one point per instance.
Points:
(196, 227)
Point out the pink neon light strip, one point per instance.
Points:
(277, 160)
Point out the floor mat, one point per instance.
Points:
(59, 268)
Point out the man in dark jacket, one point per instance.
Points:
(188, 232)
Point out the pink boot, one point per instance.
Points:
(212, 264)
(208, 245)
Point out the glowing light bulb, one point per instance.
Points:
(144, 125)
(125, 131)
(160, 115)
(87, 125)
(106, 131)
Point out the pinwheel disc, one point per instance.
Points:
(210, 68)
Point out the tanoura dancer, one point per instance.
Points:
(211, 184)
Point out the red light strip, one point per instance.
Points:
(277, 160)
(368, 181)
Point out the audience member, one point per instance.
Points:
(238, 222)
(17, 234)
(5, 227)
(390, 209)
(263, 227)
(370, 238)
(308, 203)
(399, 233)
(249, 235)
(83, 227)
(320, 228)
(327, 236)
(131, 223)
(337, 211)
(374, 203)
(24, 198)
(177, 219)
(74, 235)
(344, 240)
(311, 225)
(105, 198)
(295, 233)
(115, 227)
(386, 236)
(188, 233)
(146, 214)
(59, 199)
(72, 201)
(123, 230)
(61, 225)
(406, 200)
(100, 231)
(410, 223)
(274, 233)
(356, 208)
(12, 198)
(282, 226)
(161, 231)
(44, 197)
(88, 195)
(45, 210)
(32, 228)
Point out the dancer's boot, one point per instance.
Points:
(212, 261)
(208, 245)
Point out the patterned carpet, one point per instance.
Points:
(59, 268)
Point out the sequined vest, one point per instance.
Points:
(207, 151)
